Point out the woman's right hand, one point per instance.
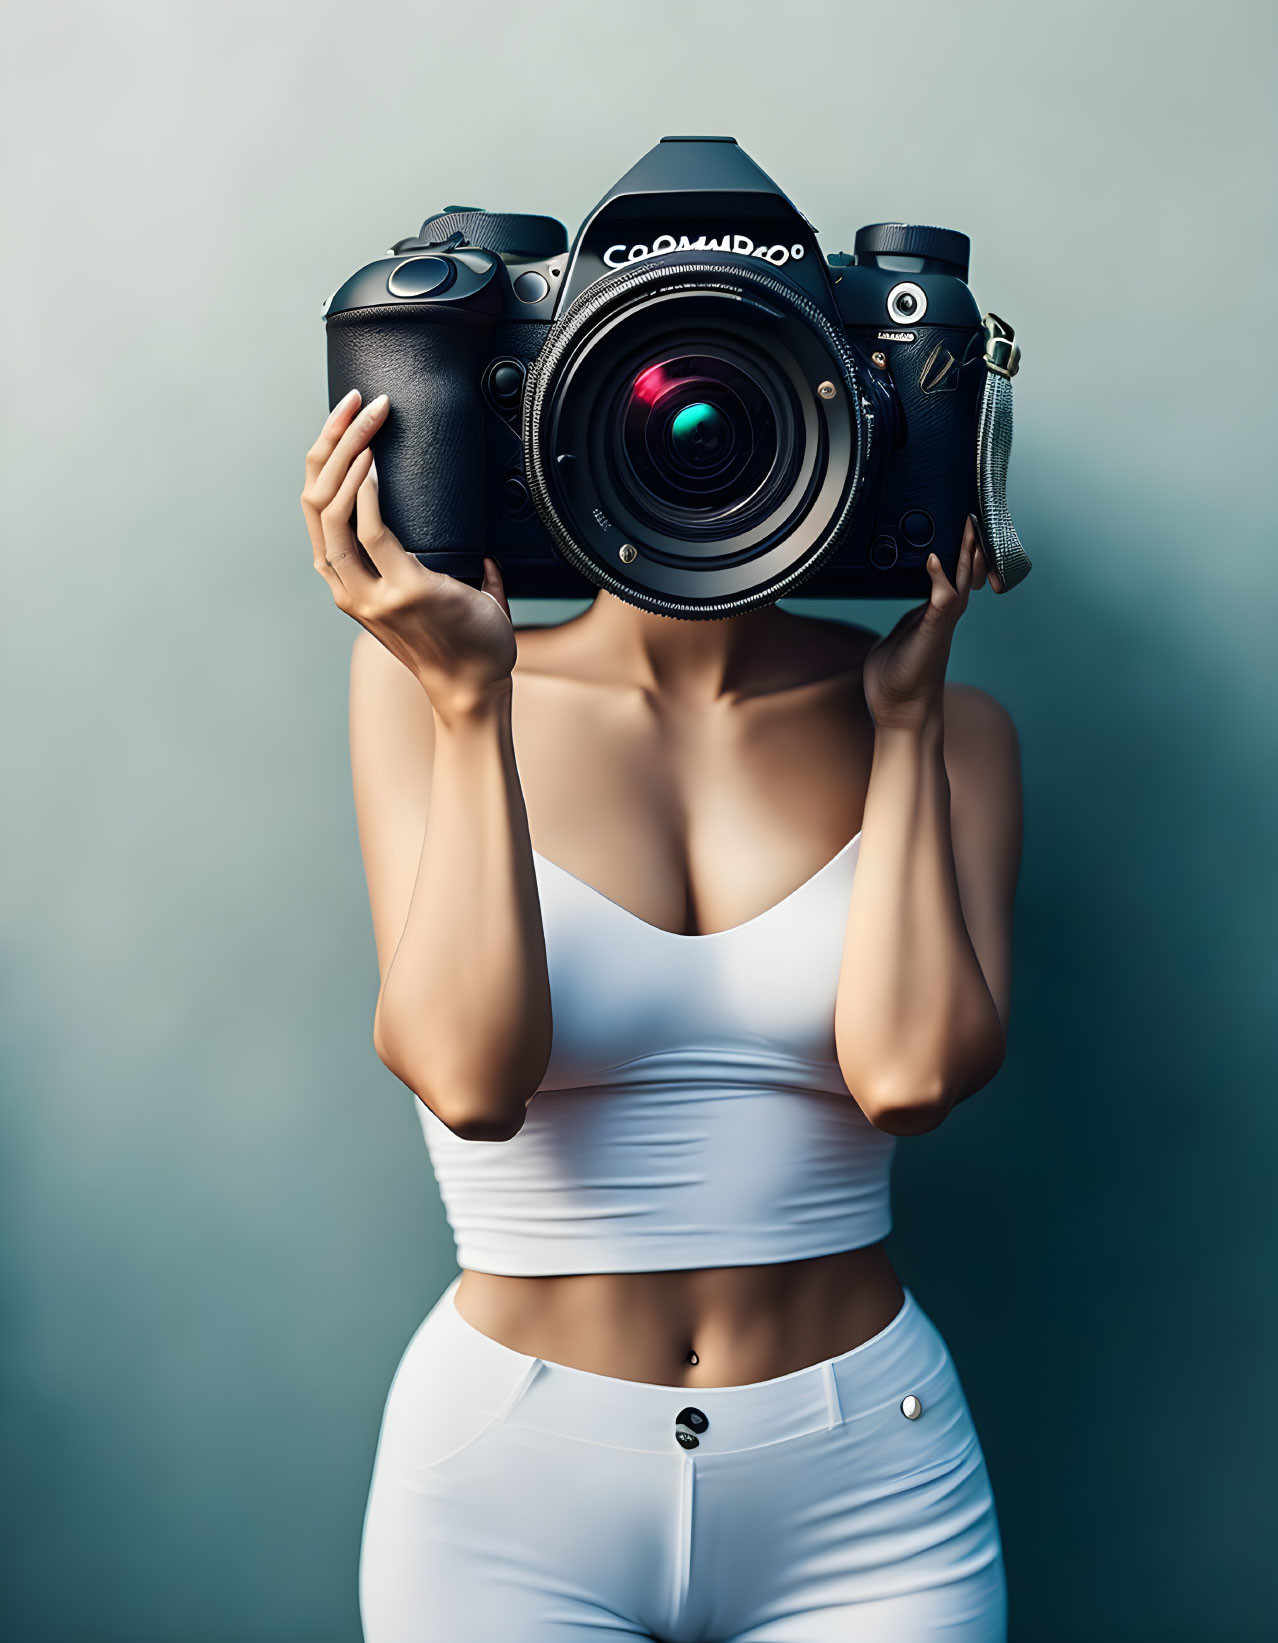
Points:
(458, 640)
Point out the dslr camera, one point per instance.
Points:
(691, 405)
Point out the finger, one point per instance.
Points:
(346, 436)
(494, 587)
(963, 570)
(341, 549)
(381, 544)
(980, 564)
(995, 580)
(322, 489)
(356, 438)
(335, 424)
(941, 606)
(337, 420)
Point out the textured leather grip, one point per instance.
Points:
(430, 450)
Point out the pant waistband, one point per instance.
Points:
(558, 1398)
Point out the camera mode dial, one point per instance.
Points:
(913, 248)
(507, 233)
(421, 277)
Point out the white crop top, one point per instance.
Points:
(693, 1113)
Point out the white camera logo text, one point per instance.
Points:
(741, 245)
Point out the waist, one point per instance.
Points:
(709, 1326)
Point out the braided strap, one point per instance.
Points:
(993, 451)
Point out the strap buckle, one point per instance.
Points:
(1001, 353)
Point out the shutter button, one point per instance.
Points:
(688, 1422)
(911, 1408)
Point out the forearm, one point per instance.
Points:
(464, 1013)
(916, 1027)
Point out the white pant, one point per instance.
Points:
(519, 1500)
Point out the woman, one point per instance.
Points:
(677, 1391)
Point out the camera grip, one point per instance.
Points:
(430, 448)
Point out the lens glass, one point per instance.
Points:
(700, 442)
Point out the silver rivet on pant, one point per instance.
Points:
(911, 1408)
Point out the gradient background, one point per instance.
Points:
(219, 1222)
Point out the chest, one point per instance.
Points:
(625, 994)
(693, 820)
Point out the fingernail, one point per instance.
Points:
(372, 470)
(346, 398)
(376, 404)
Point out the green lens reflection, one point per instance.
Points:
(699, 432)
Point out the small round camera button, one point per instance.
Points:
(421, 277)
(530, 286)
(883, 553)
(906, 303)
(514, 496)
(917, 527)
(505, 383)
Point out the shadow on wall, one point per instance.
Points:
(1092, 1232)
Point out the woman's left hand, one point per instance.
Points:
(904, 673)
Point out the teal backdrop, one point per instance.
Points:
(219, 1222)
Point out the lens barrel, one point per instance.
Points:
(670, 418)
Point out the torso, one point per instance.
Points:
(699, 819)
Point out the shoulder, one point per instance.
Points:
(983, 763)
(975, 718)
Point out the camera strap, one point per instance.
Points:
(993, 450)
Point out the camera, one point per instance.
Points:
(691, 405)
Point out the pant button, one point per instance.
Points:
(688, 1422)
(911, 1408)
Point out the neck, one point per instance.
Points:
(695, 659)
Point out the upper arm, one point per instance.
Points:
(983, 763)
(392, 733)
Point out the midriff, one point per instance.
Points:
(711, 1326)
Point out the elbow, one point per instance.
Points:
(491, 1118)
(483, 1116)
(479, 1123)
(915, 1105)
(912, 1109)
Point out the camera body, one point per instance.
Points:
(691, 405)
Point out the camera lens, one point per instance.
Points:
(680, 449)
(700, 439)
(906, 303)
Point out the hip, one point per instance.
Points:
(853, 1484)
